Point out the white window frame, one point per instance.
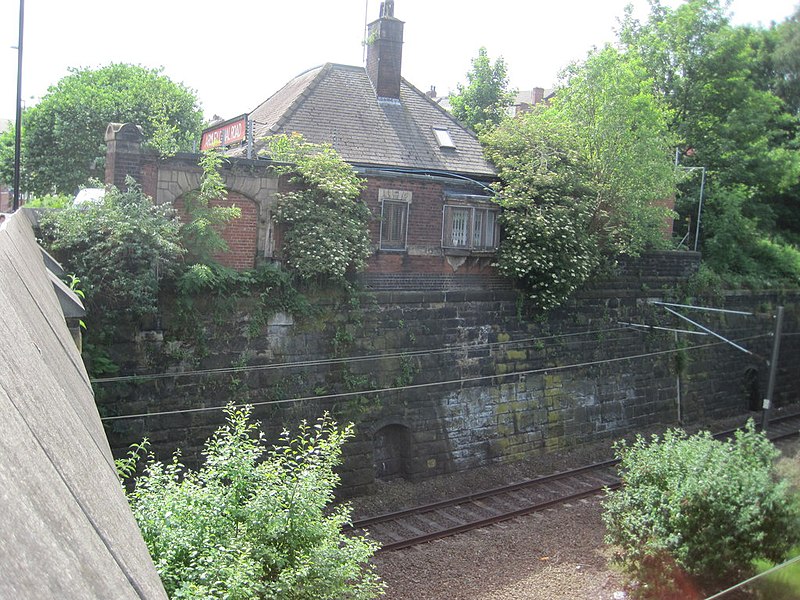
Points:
(469, 242)
(394, 197)
(443, 137)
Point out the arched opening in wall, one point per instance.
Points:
(752, 389)
(391, 452)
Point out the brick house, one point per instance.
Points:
(427, 181)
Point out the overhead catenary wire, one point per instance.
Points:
(350, 359)
(459, 381)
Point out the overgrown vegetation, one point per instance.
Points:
(546, 197)
(595, 168)
(205, 215)
(120, 247)
(327, 233)
(252, 521)
(583, 177)
(696, 512)
(733, 96)
(215, 293)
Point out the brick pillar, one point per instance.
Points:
(124, 153)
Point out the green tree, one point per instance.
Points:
(63, 135)
(706, 69)
(694, 505)
(253, 522)
(625, 138)
(327, 224)
(7, 158)
(483, 101)
(784, 57)
(582, 177)
(720, 82)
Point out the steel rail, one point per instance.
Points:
(536, 507)
(392, 516)
(363, 524)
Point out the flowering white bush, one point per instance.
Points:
(327, 223)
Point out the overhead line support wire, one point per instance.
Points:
(703, 308)
(707, 330)
(419, 385)
(643, 326)
(330, 361)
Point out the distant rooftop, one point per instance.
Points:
(528, 98)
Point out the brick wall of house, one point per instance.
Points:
(241, 234)
(425, 213)
(424, 253)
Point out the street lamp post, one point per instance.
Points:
(18, 123)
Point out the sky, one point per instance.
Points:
(237, 53)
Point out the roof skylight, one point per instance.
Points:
(443, 138)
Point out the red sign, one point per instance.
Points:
(225, 134)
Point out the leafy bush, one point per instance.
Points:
(735, 247)
(272, 285)
(692, 505)
(120, 248)
(49, 201)
(548, 207)
(327, 224)
(253, 522)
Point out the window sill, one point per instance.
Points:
(467, 252)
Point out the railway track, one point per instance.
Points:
(420, 524)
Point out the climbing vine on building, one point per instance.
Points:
(206, 217)
(327, 225)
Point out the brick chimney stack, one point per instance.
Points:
(385, 53)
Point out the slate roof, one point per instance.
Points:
(337, 104)
(66, 530)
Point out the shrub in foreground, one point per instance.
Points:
(696, 512)
(253, 522)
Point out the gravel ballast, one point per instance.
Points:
(558, 553)
(555, 554)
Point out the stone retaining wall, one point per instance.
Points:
(473, 381)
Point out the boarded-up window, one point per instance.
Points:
(395, 205)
